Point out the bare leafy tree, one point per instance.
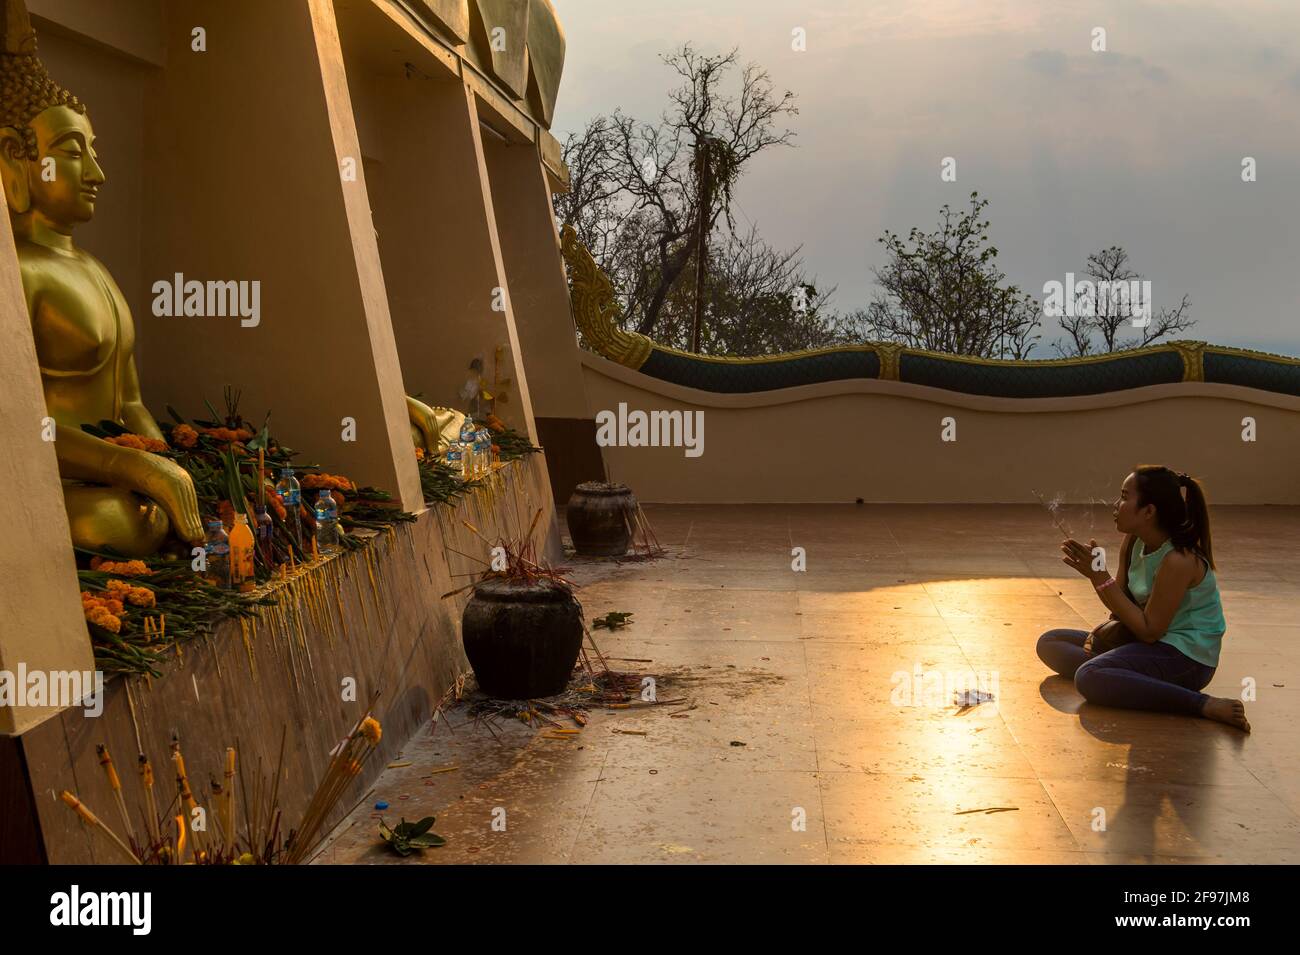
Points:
(591, 205)
(634, 202)
(758, 301)
(1106, 307)
(943, 291)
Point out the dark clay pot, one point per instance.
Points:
(600, 516)
(522, 639)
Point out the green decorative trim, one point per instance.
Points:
(596, 312)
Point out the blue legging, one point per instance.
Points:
(1136, 676)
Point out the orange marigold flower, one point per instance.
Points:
(184, 436)
(122, 568)
(334, 482)
(495, 423)
(139, 442)
(371, 730)
(102, 618)
(228, 434)
(137, 596)
(104, 612)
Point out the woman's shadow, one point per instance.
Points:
(1155, 773)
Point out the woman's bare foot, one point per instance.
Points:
(1224, 710)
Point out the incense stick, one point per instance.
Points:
(115, 784)
(88, 817)
(1055, 520)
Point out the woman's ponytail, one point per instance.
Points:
(1198, 518)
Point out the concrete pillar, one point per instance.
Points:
(539, 295)
(43, 629)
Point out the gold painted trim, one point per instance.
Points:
(596, 310)
(889, 353)
(1193, 355)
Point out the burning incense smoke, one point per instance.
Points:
(1052, 509)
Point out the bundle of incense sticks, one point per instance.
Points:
(1052, 513)
(115, 784)
(345, 765)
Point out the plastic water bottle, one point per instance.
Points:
(327, 523)
(217, 555)
(455, 459)
(291, 493)
(467, 448)
(485, 449)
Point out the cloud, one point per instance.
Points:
(1047, 62)
(1055, 63)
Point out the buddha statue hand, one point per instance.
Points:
(167, 483)
(433, 428)
(83, 457)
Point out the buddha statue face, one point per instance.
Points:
(61, 183)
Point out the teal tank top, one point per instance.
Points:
(1198, 625)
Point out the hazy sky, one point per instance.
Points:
(1140, 146)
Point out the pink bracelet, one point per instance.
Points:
(1104, 584)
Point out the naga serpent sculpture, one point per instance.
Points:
(597, 313)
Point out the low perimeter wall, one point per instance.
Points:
(375, 615)
(898, 442)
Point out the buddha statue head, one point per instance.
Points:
(47, 158)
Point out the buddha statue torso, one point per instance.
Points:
(83, 347)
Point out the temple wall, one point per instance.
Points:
(132, 27)
(243, 685)
(882, 441)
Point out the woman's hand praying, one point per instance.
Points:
(1083, 558)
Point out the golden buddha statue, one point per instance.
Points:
(116, 497)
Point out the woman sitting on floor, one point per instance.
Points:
(1167, 624)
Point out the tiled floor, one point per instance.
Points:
(808, 671)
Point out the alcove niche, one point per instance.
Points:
(422, 147)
